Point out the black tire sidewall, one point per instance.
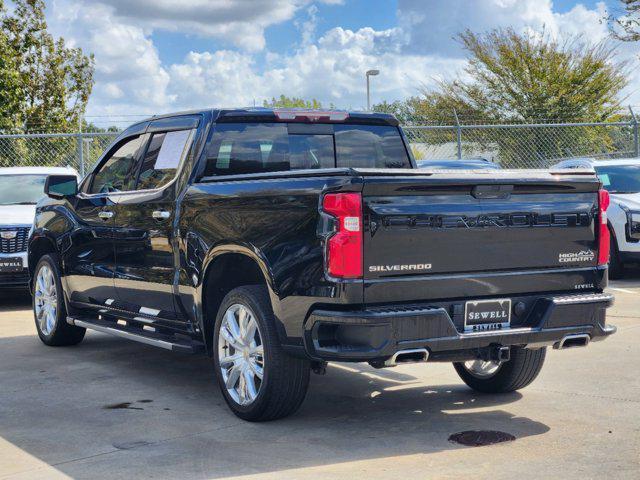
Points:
(616, 267)
(244, 297)
(517, 373)
(51, 262)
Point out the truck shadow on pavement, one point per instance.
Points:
(119, 409)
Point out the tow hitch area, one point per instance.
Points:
(497, 353)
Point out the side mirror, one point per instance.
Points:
(61, 186)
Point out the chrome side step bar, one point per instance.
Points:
(166, 342)
(411, 355)
(573, 340)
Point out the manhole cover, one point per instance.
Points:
(479, 438)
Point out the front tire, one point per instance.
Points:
(49, 310)
(492, 377)
(258, 380)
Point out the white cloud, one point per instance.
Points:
(131, 79)
(112, 90)
(240, 22)
(582, 21)
(308, 28)
(331, 70)
(433, 31)
(129, 74)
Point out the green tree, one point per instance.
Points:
(624, 22)
(44, 86)
(52, 83)
(10, 85)
(291, 102)
(406, 111)
(528, 78)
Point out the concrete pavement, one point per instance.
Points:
(109, 408)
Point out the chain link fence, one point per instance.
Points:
(510, 145)
(76, 150)
(525, 145)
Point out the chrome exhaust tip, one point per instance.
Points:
(411, 355)
(572, 341)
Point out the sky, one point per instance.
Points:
(157, 56)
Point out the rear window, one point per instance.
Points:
(240, 148)
(370, 146)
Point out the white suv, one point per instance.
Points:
(621, 177)
(20, 190)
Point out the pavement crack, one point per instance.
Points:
(142, 445)
(589, 395)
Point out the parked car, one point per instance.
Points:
(460, 164)
(621, 178)
(20, 190)
(278, 240)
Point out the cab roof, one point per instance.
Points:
(303, 115)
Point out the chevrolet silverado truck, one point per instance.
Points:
(275, 241)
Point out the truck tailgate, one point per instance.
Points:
(455, 222)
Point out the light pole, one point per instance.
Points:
(370, 73)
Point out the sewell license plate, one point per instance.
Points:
(10, 265)
(487, 315)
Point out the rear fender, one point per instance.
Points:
(250, 252)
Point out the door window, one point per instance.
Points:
(162, 158)
(117, 173)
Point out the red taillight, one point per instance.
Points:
(344, 248)
(310, 116)
(604, 235)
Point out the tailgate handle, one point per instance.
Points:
(492, 191)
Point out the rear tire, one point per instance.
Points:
(522, 369)
(49, 310)
(258, 380)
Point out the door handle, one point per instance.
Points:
(105, 215)
(161, 214)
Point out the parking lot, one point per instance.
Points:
(109, 408)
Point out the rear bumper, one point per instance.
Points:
(376, 334)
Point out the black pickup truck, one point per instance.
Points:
(276, 241)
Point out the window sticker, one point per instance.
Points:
(265, 150)
(224, 154)
(604, 178)
(172, 149)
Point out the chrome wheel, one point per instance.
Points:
(481, 368)
(46, 300)
(241, 354)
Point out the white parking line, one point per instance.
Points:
(623, 290)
